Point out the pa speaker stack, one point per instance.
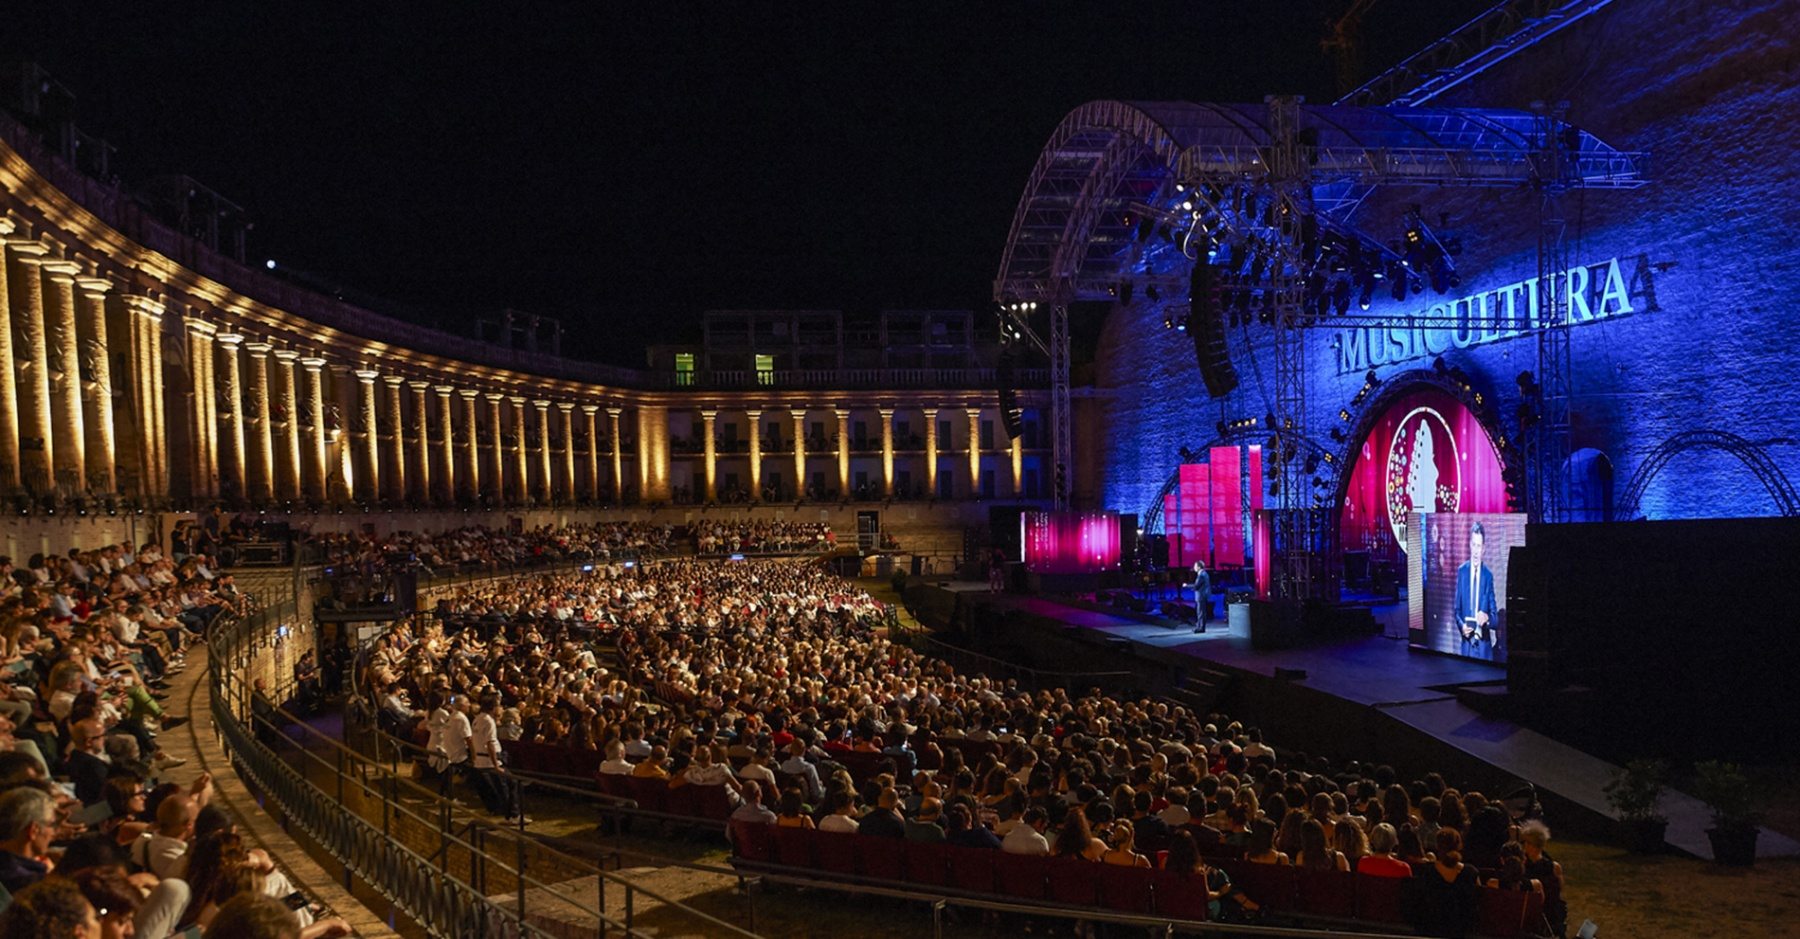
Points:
(1206, 326)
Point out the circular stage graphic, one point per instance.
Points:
(1426, 452)
(1424, 471)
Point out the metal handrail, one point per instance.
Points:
(1036, 675)
(390, 867)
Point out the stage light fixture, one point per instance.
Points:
(1371, 379)
(1337, 435)
(1151, 292)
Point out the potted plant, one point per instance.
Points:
(1736, 811)
(1633, 794)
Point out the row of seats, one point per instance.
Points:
(1279, 889)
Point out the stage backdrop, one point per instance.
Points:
(1070, 542)
(1458, 569)
(1426, 453)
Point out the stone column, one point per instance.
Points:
(543, 424)
(974, 452)
(887, 452)
(396, 425)
(755, 417)
(206, 406)
(707, 418)
(931, 453)
(9, 375)
(318, 472)
(70, 463)
(653, 453)
(159, 398)
(593, 439)
(496, 487)
(235, 463)
(146, 360)
(103, 451)
(447, 430)
(422, 445)
(568, 461)
(471, 475)
(618, 454)
(843, 452)
(288, 453)
(262, 448)
(37, 450)
(799, 416)
(368, 467)
(521, 469)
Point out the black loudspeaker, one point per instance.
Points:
(1158, 551)
(406, 591)
(1128, 542)
(1206, 326)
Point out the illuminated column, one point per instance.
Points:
(568, 461)
(262, 449)
(593, 439)
(235, 464)
(317, 469)
(931, 448)
(447, 431)
(755, 417)
(159, 399)
(545, 490)
(520, 467)
(974, 452)
(471, 476)
(206, 406)
(396, 425)
(496, 489)
(707, 418)
(288, 473)
(102, 443)
(843, 452)
(618, 454)
(36, 448)
(368, 465)
(146, 317)
(70, 463)
(799, 416)
(422, 445)
(1018, 467)
(887, 452)
(653, 453)
(9, 391)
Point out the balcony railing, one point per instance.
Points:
(849, 378)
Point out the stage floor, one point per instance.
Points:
(1411, 686)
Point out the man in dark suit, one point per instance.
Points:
(1475, 606)
(85, 767)
(1202, 596)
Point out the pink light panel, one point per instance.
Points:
(1071, 542)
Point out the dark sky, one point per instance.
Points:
(627, 165)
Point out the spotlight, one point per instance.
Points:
(270, 264)
(1337, 434)
(1311, 465)
(1371, 379)
(1151, 292)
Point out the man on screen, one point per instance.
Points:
(1475, 606)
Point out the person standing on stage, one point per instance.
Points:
(1202, 596)
(1475, 606)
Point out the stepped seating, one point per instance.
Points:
(1315, 896)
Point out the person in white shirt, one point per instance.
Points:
(498, 789)
(1027, 837)
(708, 770)
(615, 763)
(841, 819)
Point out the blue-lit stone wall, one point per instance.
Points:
(1709, 253)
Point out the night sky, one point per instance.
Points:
(626, 166)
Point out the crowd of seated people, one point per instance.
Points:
(481, 546)
(93, 834)
(714, 536)
(768, 681)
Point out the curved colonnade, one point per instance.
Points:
(150, 370)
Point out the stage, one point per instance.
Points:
(1371, 698)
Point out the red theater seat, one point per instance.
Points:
(1327, 893)
(1125, 889)
(1073, 881)
(927, 863)
(711, 802)
(1272, 886)
(652, 795)
(753, 841)
(682, 800)
(1502, 913)
(972, 869)
(1022, 877)
(1381, 899)
(1180, 896)
(836, 851)
(880, 858)
(793, 847)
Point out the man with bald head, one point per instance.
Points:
(163, 849)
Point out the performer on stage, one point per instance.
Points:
(1475, 606)
(1202, 596)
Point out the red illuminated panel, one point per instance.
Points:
(1071, 542)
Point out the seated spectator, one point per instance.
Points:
(961, 829)
(1261, 847)
(1349, 842)
(1534, 837)
(884, 821)
(1075, 839)
(926, 826)
(248, 916)
(753, 809)
(1185, 859)
(51, 908)
(1315, 853)
(1380, 861)
(1027, 837)
(28, 822)
(843, 814)
(793, 811)
(615, 763)
(1122, 846)
(1446, 902)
